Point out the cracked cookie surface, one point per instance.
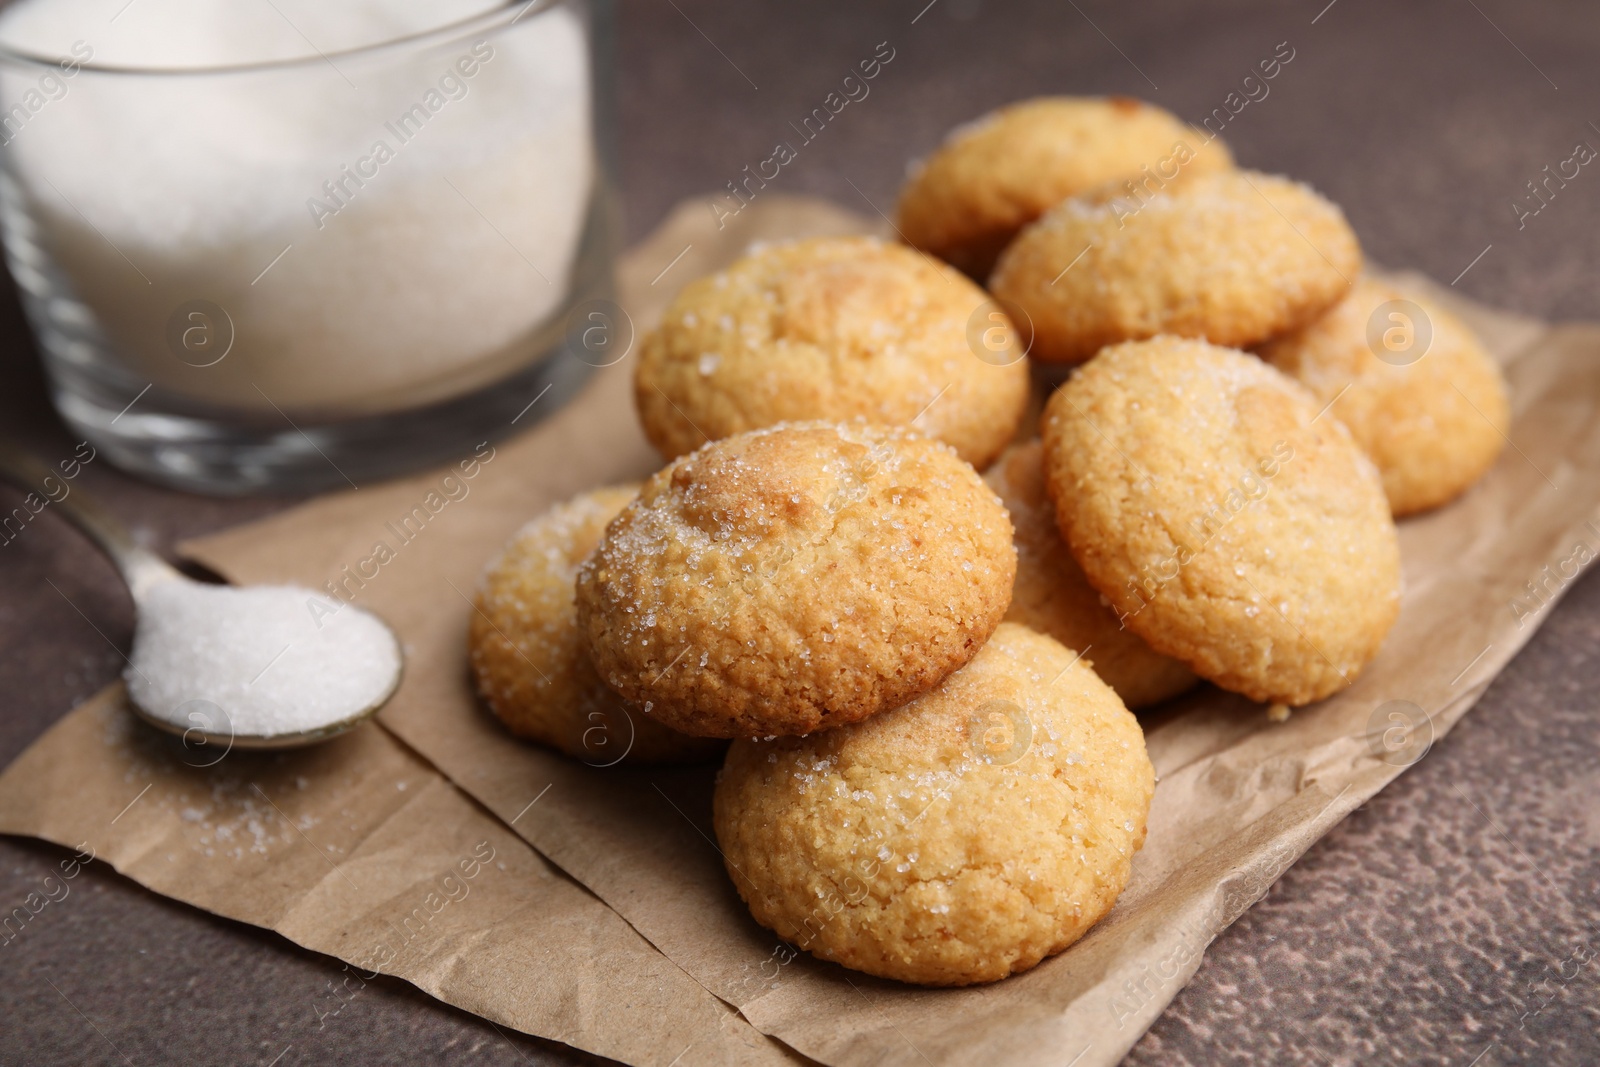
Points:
(833, 328)
(1230, 525)
(1233, 258)
(958, 839)
(795, 578)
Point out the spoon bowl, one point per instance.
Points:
(195, 735)
(327, 666)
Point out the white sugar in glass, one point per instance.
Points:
(308, 241)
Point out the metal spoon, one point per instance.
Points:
(143, 571)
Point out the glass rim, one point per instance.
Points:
(493, 19)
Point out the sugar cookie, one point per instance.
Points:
(1233, 258)
(1229, 525)
(833, 329)
(1416, 389)
(958, 839)
(995, 175)
(796, 577)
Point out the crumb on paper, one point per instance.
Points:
(1278, 713)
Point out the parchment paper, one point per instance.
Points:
(360, 850)
(1239, 799)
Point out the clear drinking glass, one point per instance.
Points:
(300, 274)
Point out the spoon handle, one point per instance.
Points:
(140, 567)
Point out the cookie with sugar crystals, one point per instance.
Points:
(1230, 525)
(1232, 258)
(795, 578)
(832, 329)
(1053, 597)
(993, 176)
(530, 666)
(959, 839)
(1415, 387)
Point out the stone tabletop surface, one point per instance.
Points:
(1451, 921)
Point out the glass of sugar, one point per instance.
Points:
(302, 244)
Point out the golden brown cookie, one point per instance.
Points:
(1234, 258)
(958, 839)
(833, 328)
(531, 668)
(797, 577)
(1229, 525)
(1416, 389)
(1053, 597)
(995, 175)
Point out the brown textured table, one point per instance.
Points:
(1451, 921)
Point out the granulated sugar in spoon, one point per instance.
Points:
(239, 666)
